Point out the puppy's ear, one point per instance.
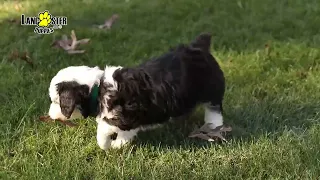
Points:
(67, 98)
(123, 78)
(203, 42)
(132, 81)
(120, 75)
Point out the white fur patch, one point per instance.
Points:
(108, 79)
(212, 116)
(123, 138)
(104, 130)
(108, 75)
(55, 112)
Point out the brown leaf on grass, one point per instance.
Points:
(47, 119)
(302, 74)
(109, 22)
(201, 136)
(14, 21)
(24, 56)
(70, 45)
(67, 123)
(209, 134)
(267, 50)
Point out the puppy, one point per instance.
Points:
(169, 86)
(73, 92)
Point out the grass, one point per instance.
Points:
(269, 51)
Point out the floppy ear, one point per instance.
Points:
(134, 90)
(66, 98)
(133, 81)
(70, 94)
(203, 42)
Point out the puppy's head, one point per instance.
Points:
(71, 95)
(71, 90)
(123, 92)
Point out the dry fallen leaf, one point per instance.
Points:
(14, 21)
(45, 118)
(24, 56)
(201, 136)
(109, 22)
(48, 119)
(67, 123)
(70, 45)
(209, 134)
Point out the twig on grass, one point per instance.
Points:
(70, 45)
(109, 22)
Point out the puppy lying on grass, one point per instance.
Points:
(169, 86)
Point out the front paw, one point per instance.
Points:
(119, 143)
(104, 145)
(104, 142)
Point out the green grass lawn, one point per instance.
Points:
(272, 97)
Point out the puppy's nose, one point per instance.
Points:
(114, 136)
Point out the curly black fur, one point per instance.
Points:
(167, 86)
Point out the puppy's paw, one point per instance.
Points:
(119, 143)
(103, 141)
(104, 145)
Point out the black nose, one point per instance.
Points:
(114, 136)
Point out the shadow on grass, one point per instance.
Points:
(249, 122)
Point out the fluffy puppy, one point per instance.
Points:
(169, 86)
(73, 92)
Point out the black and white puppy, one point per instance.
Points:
(73, 92)
(169, 86)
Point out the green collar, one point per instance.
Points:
(94, 99)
